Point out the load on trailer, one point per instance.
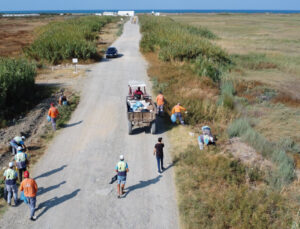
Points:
(141, 110)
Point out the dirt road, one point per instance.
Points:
(75, 172)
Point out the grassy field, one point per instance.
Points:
(266, 50)
(255, 97)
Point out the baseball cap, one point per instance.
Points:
(26, 174)
(121, 157)
(19, 148)
(11, 164)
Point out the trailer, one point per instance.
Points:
(141, 110)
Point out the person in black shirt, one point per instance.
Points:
(158, 151)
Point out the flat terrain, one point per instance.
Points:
(75, 172)
(16, 33)
(266, 50)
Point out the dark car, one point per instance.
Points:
(111, 52)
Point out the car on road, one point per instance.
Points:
(141, 110)
(111, 52)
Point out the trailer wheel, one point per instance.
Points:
(129, 127)
(153, 127)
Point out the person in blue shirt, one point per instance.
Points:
(122, 170)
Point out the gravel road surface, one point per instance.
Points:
(74, 174)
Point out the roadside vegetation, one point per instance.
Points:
(17, 86)
(215, 189)
(65, 113)
(73, 38)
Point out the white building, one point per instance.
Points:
(98, 14)
(126, 13)
(20, 15)
(109, 13)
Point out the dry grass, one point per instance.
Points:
(275, 40)
(16, 33)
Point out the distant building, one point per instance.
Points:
(20, 15)
(126, 13)
(157, 14)
(98, 14)
(109, 14)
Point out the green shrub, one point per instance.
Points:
(176, 41)
(214, 194)
(284, 172)
(16, 85)
(73, 38)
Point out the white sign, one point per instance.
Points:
(75, 60)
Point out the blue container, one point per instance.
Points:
(173, 118)
(48, 118)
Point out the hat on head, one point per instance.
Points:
(121, 157)
(19, 148)
(26, 174)
(23, 137)
(11, 164)
(51, 104)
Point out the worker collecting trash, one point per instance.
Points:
(16, 142)
(206, 138)
(176, 113)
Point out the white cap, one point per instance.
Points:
(121, 157)
(23, 137)
(11, 164)
(19, 148)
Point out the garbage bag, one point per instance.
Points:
(173, 118)
(23, 197)
(48, 118)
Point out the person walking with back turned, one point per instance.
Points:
(122, 170)
(159, 153)
(53, 113)
(30, 189)
(10, 177)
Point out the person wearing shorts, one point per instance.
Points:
(122, 170)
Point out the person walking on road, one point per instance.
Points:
(177, 111)
(16, 142)
(160, 101)
(122, 170)
(30, 189)
(159, 153)
(21, 162)
(53, 113)
(10, 177)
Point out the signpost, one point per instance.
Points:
(75, 62)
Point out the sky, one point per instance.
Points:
(11, 5)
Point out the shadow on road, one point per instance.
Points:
(43, 190)
(46, 174)
(55, 201)
(72, 124)
(142, 184)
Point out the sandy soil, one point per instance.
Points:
(75, 172)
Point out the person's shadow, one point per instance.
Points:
(55, 201)
(46, 174)
(42, 190)
(142, 184)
